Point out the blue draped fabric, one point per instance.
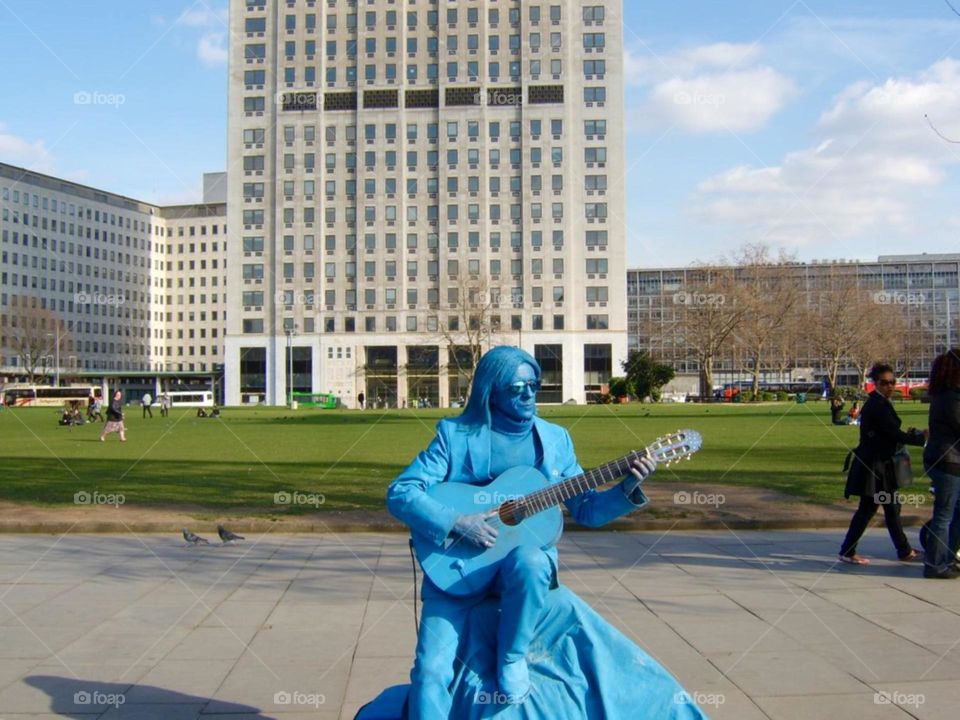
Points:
(580, 667)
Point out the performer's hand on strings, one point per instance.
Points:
(640, 469)
(476, 529)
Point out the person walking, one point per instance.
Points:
(164, 405)
(872, 474)
(941, 460)
(115, 418)
(97, 411)
(147, 401)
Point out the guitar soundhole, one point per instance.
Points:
(511, 512)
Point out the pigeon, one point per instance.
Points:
(228, 536)
(194, 539)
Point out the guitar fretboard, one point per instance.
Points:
(557, 493)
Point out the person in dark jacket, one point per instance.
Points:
(115, 418)
(872, 473)
(941, 460)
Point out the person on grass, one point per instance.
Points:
(115, 418)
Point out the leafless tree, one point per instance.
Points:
(770, 294)
(471, 323)
(31, 331)
(843, 321)
(883, 337)
(711, 310)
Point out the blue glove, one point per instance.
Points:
(640, 470)
(475, 529)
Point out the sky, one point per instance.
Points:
(821, 129)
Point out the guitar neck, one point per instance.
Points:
(557, 493)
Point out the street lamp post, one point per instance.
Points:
(290, 332)
(56, 351)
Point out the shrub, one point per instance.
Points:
(917, 393)
(766, 396)
(849, 392)
(782, 396)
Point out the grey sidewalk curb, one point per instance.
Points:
(348, 525)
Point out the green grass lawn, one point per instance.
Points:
(349, 457)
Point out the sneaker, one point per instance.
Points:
(951, 573)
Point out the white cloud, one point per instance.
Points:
(706, 89)
(874, 159)
(33, 155)
(212, 48)
(214, 22)
(645, 67)
(203, 16)
(714, 103)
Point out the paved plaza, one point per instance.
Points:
(754, 624)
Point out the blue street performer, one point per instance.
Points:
(496, 431)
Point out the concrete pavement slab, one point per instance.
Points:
(753, 624)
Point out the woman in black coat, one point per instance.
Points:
(941, 460)
(872, 473)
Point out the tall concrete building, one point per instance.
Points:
(105, 283)
(387, 159)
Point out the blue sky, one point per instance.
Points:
(794, 123)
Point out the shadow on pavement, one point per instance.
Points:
(80, 699)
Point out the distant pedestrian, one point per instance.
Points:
(941, 460)
(360, 398)
(115, 418)
(97, 411)
(147, 401)
(164, 405)
(872, 473)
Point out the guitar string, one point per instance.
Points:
(545, 498)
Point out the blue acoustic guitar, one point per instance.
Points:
(524, 506)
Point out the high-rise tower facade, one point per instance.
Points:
(406, 176)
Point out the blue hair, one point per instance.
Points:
(495, 369)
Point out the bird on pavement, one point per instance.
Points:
(193, 539)
(228, 536)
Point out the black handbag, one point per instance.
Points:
(902, 469)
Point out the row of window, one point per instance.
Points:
(590, 13)
(495, 130)
(79, 211)
(254, 326)
(514, 156)
(591, 41)
(495, 184)
(78, 231)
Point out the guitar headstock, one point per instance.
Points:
(675, 446)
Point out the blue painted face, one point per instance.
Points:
(517, 400)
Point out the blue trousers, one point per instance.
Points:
(525, 577)
(944, 530)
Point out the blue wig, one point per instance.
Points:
(495, 369)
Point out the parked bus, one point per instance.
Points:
(327, 401)
(48, 396)
(190, 398)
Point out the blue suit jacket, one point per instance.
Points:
(461, 453)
